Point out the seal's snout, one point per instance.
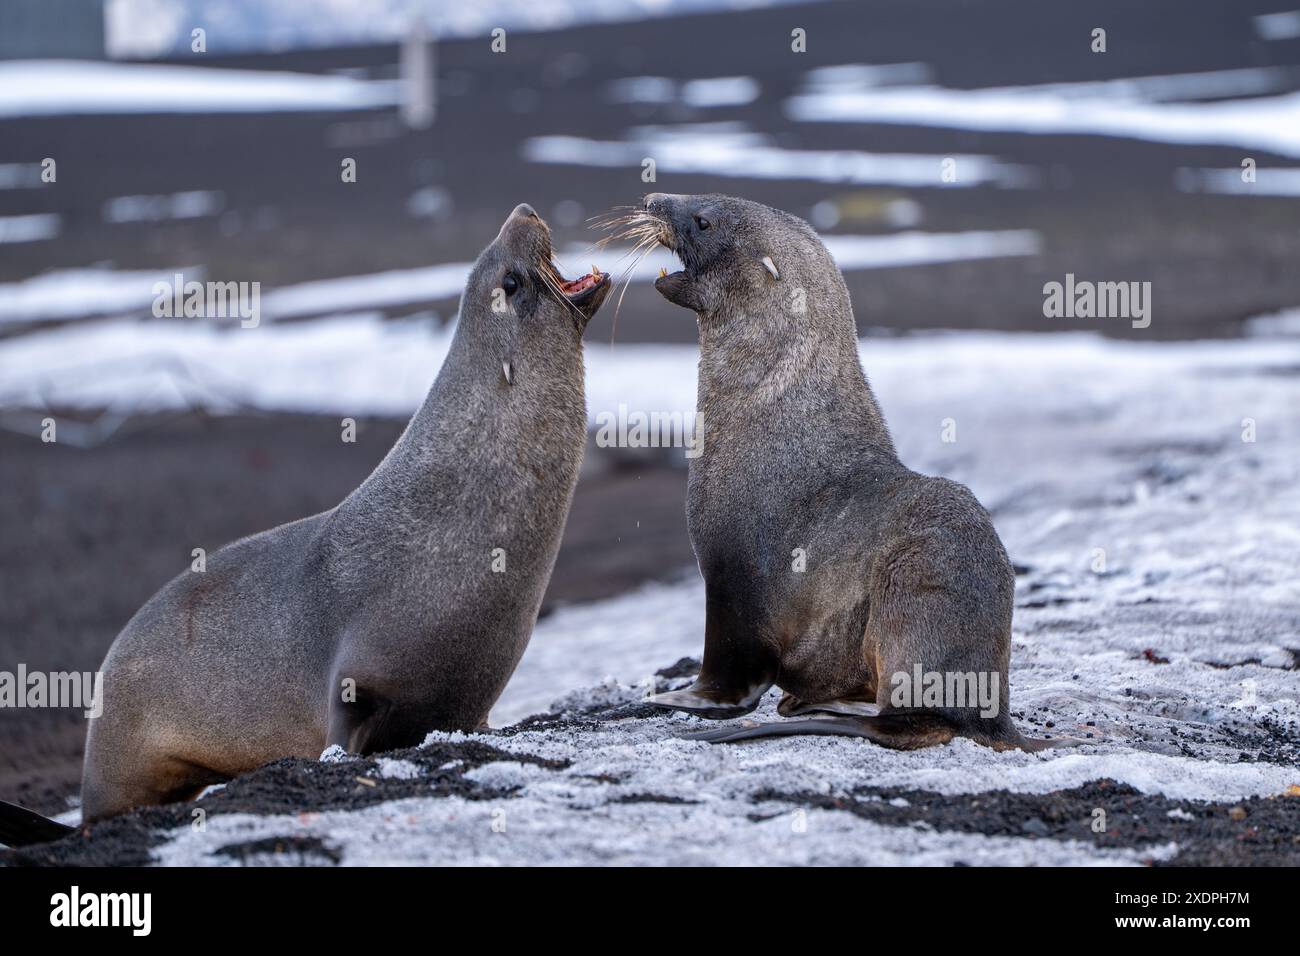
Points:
(523, 220)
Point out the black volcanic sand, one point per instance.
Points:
(1260, 831)
(91, 534)
(292, 785)
(1107, 208)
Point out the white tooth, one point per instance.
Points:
(663, 273)
(595, 272)
(505, 367)
(771, 267)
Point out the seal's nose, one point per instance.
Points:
(522, 221)
(655, 201)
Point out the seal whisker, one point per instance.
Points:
(644, 247)
(548, 280)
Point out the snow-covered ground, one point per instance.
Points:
(52, 87)
(1161, 109)
(1157, 610)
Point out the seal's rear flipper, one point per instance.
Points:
(895, 731)
(828, 727)
(1036, 744)
(704, 702)
(22, 827)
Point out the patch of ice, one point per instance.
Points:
(334, 754)
(705, 93)
(720, 91)
(1285, 324)
(857, 76)
(1284, 25)
(71, 293)
(20, 176)
(1144, 108)
(46, 87)
(506, 774)
(728, 149)
(394, 769)
(374, 291)
(34, 228)
(1269, 181)
(193, 204)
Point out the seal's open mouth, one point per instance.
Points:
(586, 292)
(577, 288)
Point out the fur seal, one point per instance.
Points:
(403, 610)
(830, 568)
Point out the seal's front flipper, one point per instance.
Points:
(824, 727)
(738, 665)
(357, 726)
(792, 706)
(708, 702)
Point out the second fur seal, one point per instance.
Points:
(830, 568)
(404, 609)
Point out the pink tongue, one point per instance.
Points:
(578, 285)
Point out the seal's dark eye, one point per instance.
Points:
(702, 223)
(510, 284)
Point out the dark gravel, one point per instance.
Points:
(1261, 831)
(283, 787)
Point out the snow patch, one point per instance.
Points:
(1145, 108)
(729, 149)
(393, 769)
(58, 87)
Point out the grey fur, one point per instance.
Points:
(901, 568)
(224, 670)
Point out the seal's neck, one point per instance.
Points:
(480, 443)
(789, 371)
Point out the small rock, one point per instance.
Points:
(1035, 827)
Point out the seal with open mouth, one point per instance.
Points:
(403, 610)
(830, 568)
